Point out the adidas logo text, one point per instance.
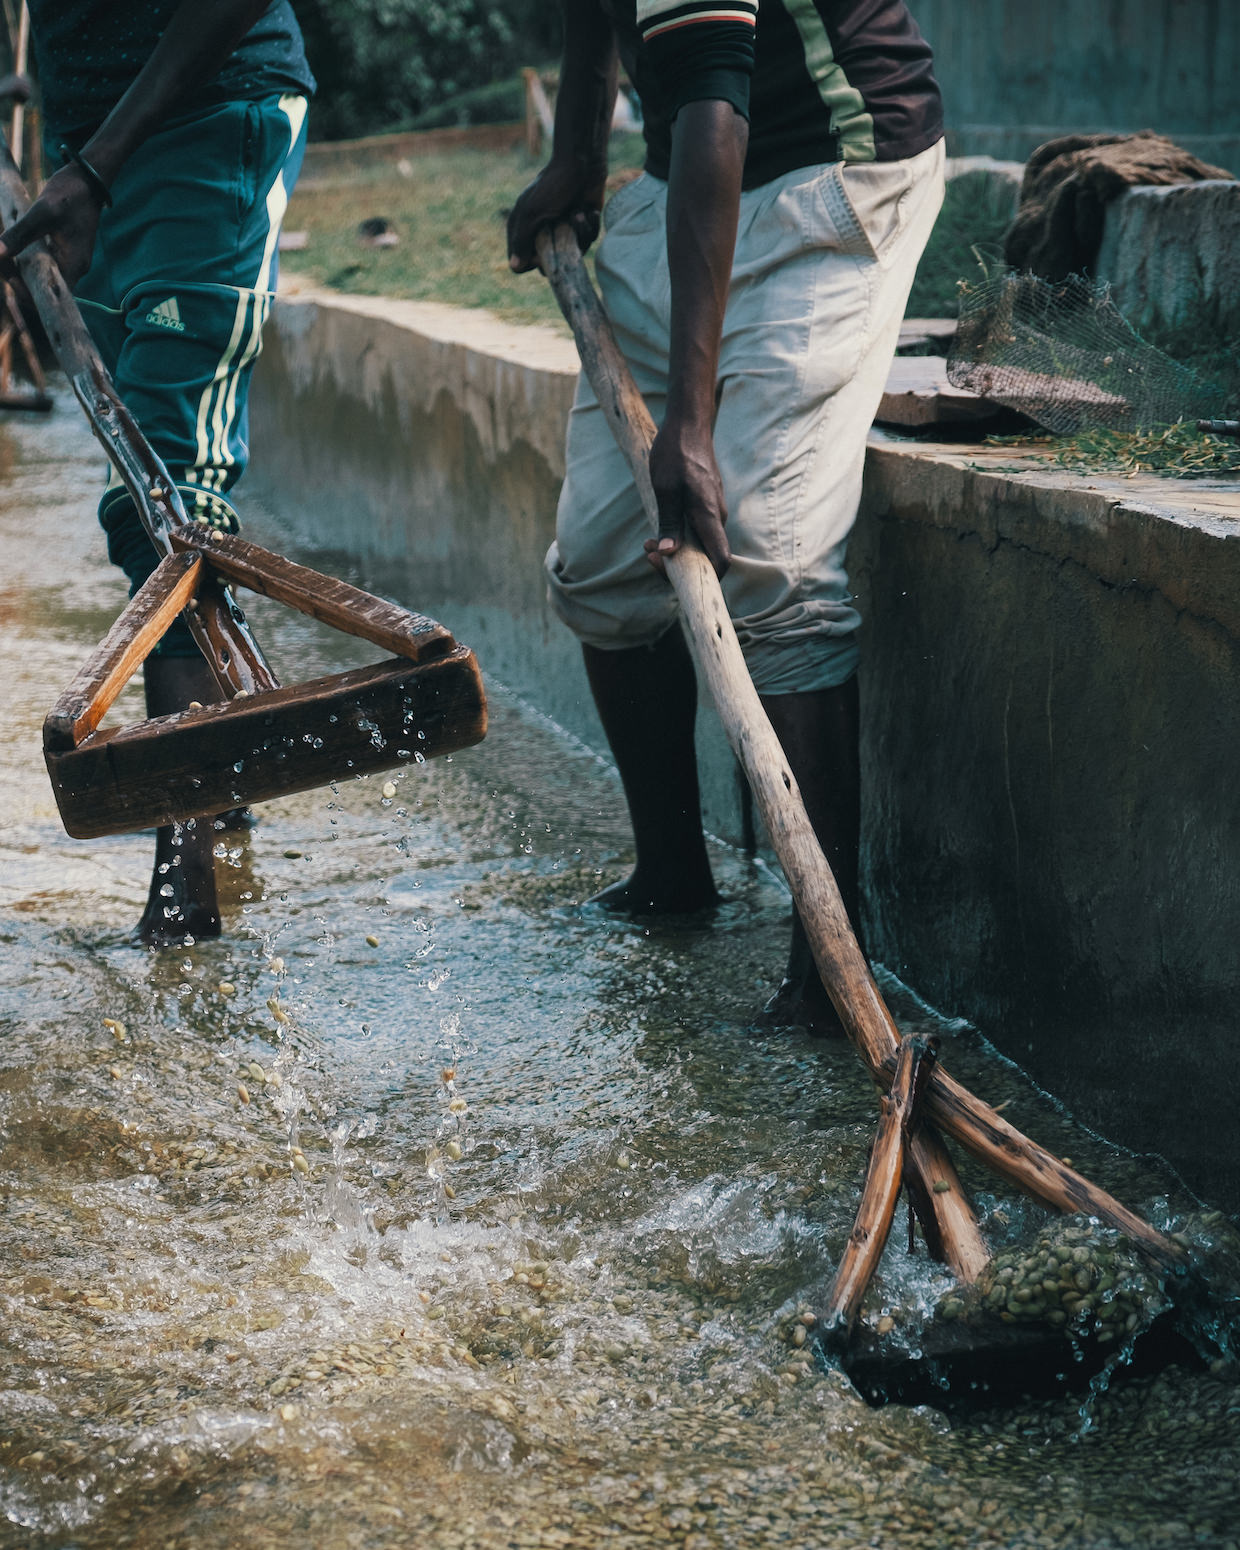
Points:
(167, 315)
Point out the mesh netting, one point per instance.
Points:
(1063, 354)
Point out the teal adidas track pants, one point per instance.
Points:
(180, 284)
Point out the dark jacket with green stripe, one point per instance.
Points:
(819, 80)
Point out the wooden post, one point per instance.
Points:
(21, 52)
(539, 119)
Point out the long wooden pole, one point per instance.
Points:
(951, 1227)
(840, 961)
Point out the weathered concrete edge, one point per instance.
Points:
(1188, 553)
(467, 349)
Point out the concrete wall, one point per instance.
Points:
(1052, 826)
(1015, 74)
(1168, 251)
(1051, 715)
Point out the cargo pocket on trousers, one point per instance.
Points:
(878, 195)
(831, 221)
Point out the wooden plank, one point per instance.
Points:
(27, 401)
(918, 394)
(344, 607)
(916, 333)
(1034, 390)
(120, 653)
(205, 761)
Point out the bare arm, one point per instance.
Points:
(570, 186)
(195, 44)
(703, 200)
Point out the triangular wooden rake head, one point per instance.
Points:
(424, 701)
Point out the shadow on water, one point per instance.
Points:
(428, 1206)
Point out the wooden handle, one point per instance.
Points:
(842, 965)
(334, 602)
(116, 658)
(718, 653)
(218, 626)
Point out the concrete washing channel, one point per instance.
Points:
(429, 1207)
(1049, 684)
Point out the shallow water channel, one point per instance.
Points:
(489, 1234)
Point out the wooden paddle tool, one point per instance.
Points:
(263, 740)
(925, 1102)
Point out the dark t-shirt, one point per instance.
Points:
(88, 52)
(820, 80)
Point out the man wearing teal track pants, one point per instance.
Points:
(179, 129)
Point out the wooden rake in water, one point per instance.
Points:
(921, 1102)
(262, 740)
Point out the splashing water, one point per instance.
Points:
(494, 1232)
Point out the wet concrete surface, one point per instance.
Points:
(429, 1206)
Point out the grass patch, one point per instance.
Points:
(449, 211)
(977, 211)
(1179, 451)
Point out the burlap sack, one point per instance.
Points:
(1068, 184)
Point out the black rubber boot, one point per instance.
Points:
(819, 731)
(182, 902)
(647, 701)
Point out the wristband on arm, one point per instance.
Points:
(93, 178)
